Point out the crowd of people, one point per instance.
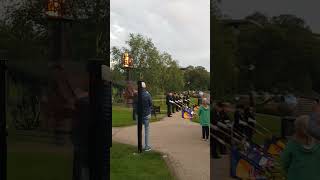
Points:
(301, 156)
(175, 101)
(243, 123)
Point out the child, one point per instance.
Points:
(204, 114)
(300, 159)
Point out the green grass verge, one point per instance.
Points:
(122, 116)
(126, 165)
(40, 161)
(39, 165)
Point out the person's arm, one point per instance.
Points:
(314, 126)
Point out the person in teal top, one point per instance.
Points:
(301, 157)
(204, 115)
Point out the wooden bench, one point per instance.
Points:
(155, 110)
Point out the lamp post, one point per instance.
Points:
(127, 64)
(139, 124)
(3, 106)
(58, 13)
(100, 131)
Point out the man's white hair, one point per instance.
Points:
(143, 85)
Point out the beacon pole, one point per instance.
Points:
(101, 114)
(139, 124)
(3, 110)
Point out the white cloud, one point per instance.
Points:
(179, 27)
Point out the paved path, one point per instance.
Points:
(220, 168)
(180, 140)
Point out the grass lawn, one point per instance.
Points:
(122, 116)
(126, 165)
(273, 123)
(39, 165)
(40, 161)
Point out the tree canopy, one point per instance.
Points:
(159, 69)
(284, 53)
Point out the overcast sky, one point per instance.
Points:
(306, 9)
(179, 27)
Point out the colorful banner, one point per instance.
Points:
(187, 113)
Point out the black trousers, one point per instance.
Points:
(205, 132)
(173, 107)
(214, 145)
(169, 108)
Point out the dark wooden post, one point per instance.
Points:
(3, 110)
(100, 133)
(139, 116)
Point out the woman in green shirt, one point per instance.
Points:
(204, 114)
(301, 157)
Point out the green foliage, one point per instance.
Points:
(224, 72)
(197, 78)
(158, 69)
(284, 52)
(24, 30)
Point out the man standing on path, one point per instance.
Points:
(146, 114)
(169, 105)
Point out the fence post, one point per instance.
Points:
(139, 116)
(101, 115)
(3, 110)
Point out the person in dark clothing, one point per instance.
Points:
(173, 107)
(169, 104)
(146, 114)
(214, 143)
(238, 118)
(135, 106)
(249, 117)
(177, 101)
(187, 98)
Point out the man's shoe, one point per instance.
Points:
(147, 149)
